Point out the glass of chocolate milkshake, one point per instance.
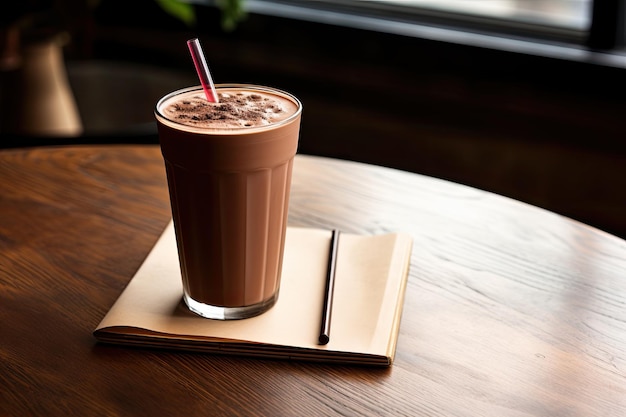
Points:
(229, 170)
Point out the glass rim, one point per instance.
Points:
(227, 130)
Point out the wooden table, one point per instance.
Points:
(510, 310)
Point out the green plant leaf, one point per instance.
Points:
(182, 11)
(232, 13)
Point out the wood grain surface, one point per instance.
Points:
(510, 310)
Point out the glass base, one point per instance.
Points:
(229, 313)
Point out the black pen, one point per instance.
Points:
(330, 289)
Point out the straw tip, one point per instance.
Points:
(202, 69)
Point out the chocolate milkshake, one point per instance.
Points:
(229, 173)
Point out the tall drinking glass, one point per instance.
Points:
(229, 168)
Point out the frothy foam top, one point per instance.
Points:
(236, 109)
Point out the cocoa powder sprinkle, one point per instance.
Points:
(233, 110)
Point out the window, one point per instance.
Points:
(590, 30)
(560, 14)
